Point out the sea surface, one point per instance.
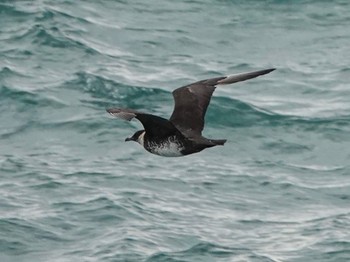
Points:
(71, 189)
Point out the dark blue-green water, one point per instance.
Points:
(71, 189)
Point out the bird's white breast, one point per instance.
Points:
(141, 139)
(168, 148)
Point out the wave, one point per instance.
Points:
(39, 13)
(27, 235)
(51, 13)
(107, 92)
(7, 72)
(8, 8)
(41, 36)
(24, 99)
(203, 250)
(52, 37)
(52, 27)
(237, 113)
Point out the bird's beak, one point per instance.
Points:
(128, 139)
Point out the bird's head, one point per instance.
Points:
(137, 137)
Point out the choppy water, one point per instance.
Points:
(72, 190)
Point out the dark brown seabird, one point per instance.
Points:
(182, 133)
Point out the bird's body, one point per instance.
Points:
(176, 145)
(182, 133)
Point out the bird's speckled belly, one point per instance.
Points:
(166, 148)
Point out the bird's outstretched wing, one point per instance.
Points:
(191, 101)
(154, 126)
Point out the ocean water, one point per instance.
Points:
(71, 189)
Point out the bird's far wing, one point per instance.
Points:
(191, 101)
(154, 126)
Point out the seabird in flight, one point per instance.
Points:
(182, 134)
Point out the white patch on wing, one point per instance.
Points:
(191, 90)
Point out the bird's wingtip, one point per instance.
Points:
(110, 110)
(243, 76)
(125, 114)
(269, 70)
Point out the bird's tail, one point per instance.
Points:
(218, 142)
